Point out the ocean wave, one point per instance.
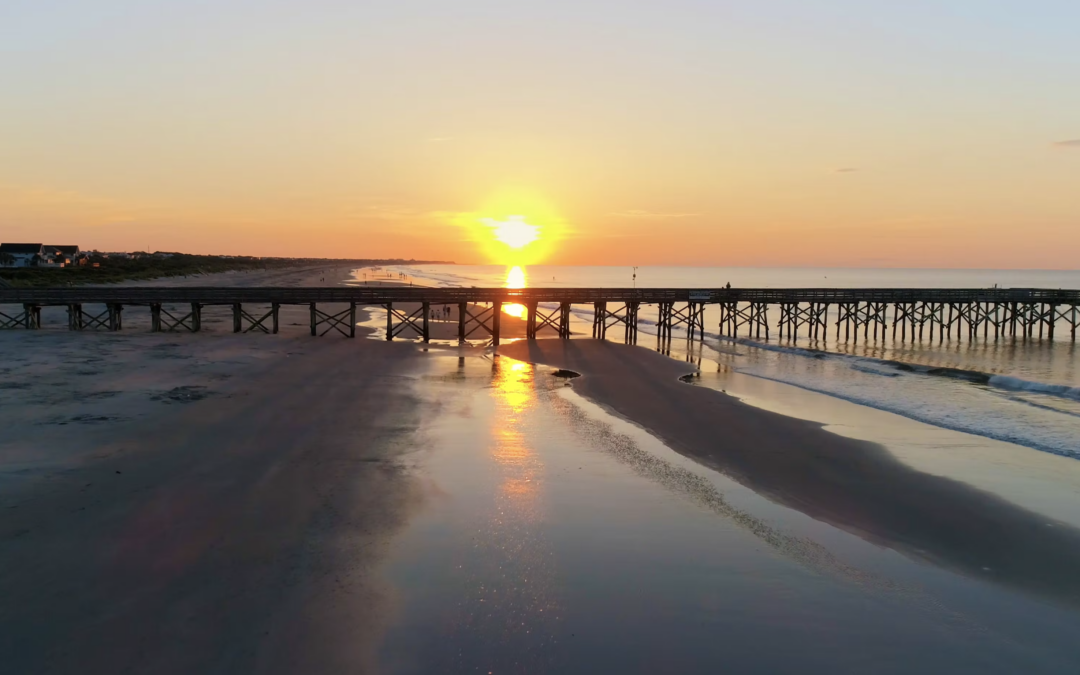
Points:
(446, 279)
(1017, 384)
(1041, 406)
(798, 351)
(869, 364)
(929, 414)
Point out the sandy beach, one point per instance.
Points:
(221, 503)
(182, 503)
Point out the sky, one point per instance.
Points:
(851, 133)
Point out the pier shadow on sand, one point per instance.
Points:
(854, 485)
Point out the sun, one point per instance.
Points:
(515, 232)
(514, 226)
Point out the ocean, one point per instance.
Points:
(1020, 391)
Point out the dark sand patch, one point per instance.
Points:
(183, 394)
(94, 419)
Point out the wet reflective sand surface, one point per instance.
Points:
(558, 538)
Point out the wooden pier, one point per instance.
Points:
(848, 314)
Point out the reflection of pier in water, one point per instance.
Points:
(910, 314)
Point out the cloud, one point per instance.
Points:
(391, 212)
(440, 139)
(846, 169)
(652, 215)
(1074, 143)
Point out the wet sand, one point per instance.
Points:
(854, 485)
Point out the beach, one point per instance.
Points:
(225, 503)
(854, 485)
(199, 503)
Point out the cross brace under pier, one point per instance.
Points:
(625, 314)
(164, 319)
(672, 315)
(753, 315)
(539, 318)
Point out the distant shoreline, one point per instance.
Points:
(165, 265)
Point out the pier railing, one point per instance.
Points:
(380, 295)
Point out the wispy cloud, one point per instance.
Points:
(652, 215)
(846, 169)
(391, 212)
(440, 139)
(1073, 144)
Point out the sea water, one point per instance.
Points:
(1025, 391)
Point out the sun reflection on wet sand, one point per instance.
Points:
(519, 597)
(518, 464)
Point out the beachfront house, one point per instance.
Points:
(39, 255)
(21, 255)
(60, 256)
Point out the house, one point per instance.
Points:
(60, 256)
(21, 255)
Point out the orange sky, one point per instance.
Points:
(688, 134)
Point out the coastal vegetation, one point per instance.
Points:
(101, 269)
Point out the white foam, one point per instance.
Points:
(1017, 384)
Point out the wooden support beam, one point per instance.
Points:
(75, 316)
(530, 320)
(425, 309)
(31, 316)
(116, 316)
(631, 323)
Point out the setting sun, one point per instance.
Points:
(514, 231)
(513, 227)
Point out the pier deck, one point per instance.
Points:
(929, 312)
